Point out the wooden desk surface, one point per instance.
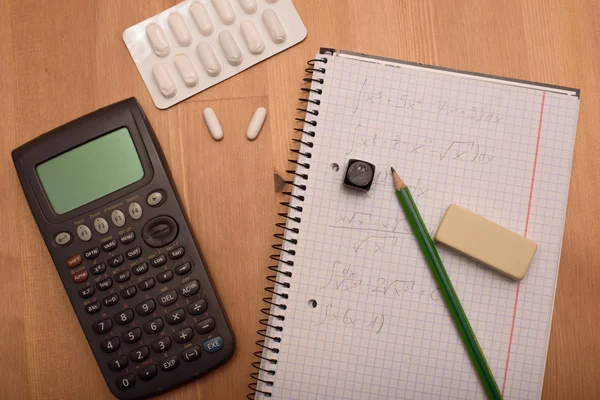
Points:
(62, 59)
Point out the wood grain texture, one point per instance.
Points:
(62, 59)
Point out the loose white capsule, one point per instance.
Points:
(230, 48)
(201, 18)
(274, 26)
(180, 29)
(213, 124)
(164, 81)
(249, 6)
(252, 37)
(225, 11)
(256, 123)
(208, 59)
(157, 39)
(186, 70)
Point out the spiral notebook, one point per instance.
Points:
(353, 311)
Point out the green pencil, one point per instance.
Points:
(446, 289)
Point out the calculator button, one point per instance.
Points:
(84, 233)
(80, 276)
(139, 354)
(104, 284)
(74, 261)
(126, 382)
(165, 276)
(116, 261)
(110, 345)
(127, 238)
(140, 268)
(177, 253)
(175, 317)
(118, 364)
(183, 268)
(153, 326)
(189, 288)
(160, 231)
(101, 225)
(62, 238)
(213, 345)
(161, 345)
(129, 292)
(169, 364)
(184, 335)
(198, 307)
(124, 316)
(154, 199)
(110, 245)
(92, 253)
(98, 268)
(206, 326)
(134, 253)
(93, 307)
(111, 300)
(191, 354)
(122, 276)
(147, 284)
(148, 372)
(145, 308)
(86, 292)
(132, 335)
(135, 211)
(102, 326)
(168, 298)
(118, 218)
(158, 261)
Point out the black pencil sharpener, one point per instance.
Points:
(359, 175)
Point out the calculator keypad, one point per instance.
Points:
(143, 335)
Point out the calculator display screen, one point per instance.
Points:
(90, 171)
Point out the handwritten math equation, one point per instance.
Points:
(343, 277)
(349, 317)
(468, 151)
(440, 106)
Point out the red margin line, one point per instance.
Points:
(537, 148)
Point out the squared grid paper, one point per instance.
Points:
(380, 329)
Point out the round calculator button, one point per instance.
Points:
(126, 382)
(84, 233)
(101, 225)
(118, 218)
(62, 238)
(135, 211)
(154, 199)
(160, 231)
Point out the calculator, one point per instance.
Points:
(103, 199)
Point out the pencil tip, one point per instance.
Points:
(393, 170)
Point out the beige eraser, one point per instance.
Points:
(485, 241)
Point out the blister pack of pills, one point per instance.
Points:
(199, 43)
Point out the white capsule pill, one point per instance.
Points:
(180, 29)
(249, 6)
(274, 26)
(252, 37)
(158, 40)
(214, 126)
(225, 11)
(256, 123)
(164, 81)
(186, 70)
(201, 18)
(208, 59)
(230, 48)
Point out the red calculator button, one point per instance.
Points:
(80, 276)
(74, 261)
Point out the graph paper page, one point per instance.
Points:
(380, 329)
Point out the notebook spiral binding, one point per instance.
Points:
(288, 224)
